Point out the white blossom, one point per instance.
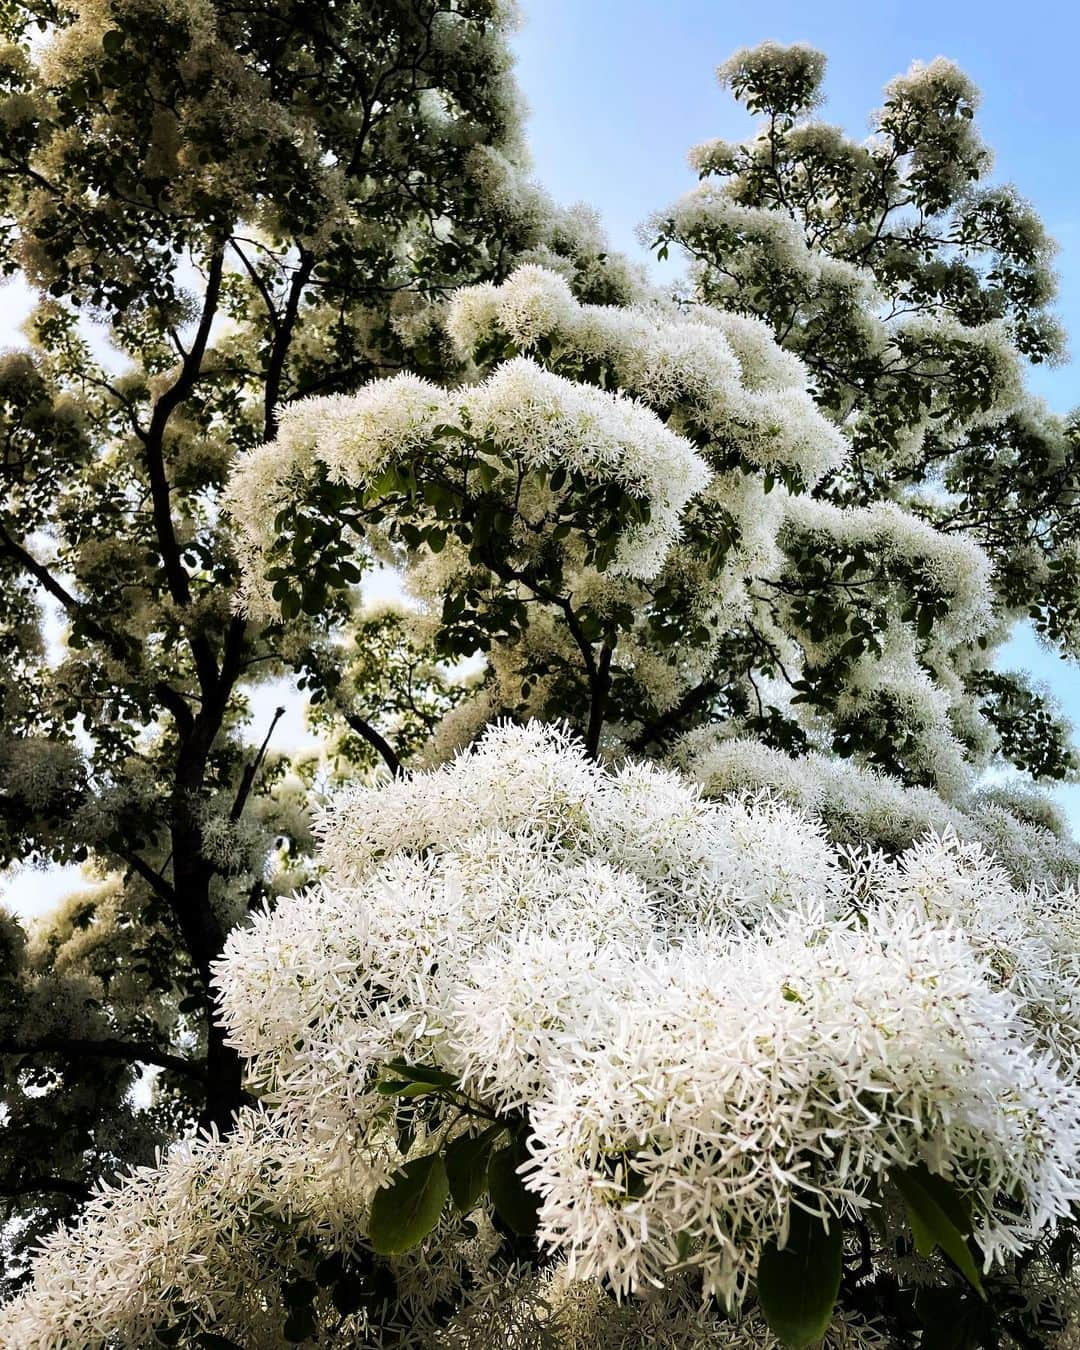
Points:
(705, 1011)
(724, 374)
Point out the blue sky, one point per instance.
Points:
(618, 92)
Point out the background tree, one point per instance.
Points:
(222, 209)
(910, 288)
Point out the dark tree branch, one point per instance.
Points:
(601, 687)
(259, 284)
(507, 573)
(377, 741)
(279, 348)
(168, 696)
(664, 727)
(77, 1190)
(128, 1052)
(157, 883)
(250, 770)
(153, 441)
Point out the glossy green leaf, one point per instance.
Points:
(939, 1217)
(797, 1285)
(422, 1073)
(467, 1164)
(514, 1204)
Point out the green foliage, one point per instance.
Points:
(514, 1203)
(221, 211)
(797, 1284)
(467, 1159)
(909, 285)
(404, 1212)
(1033, 734)
(250, 206)
(939, 1217)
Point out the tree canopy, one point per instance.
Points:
(643, 956)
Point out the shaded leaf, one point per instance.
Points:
(797, 1286)
(514, 1204)
(939, 1217)
(467, 1164)
(403, 1213)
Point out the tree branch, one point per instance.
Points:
(153, 441)
(158, 884)
(247, 779)
(601, 687)
(129, 1052)
(373, 738)
(260, 285)
(78, 1190)
(664, 727)
(279, 348)
(168, 696)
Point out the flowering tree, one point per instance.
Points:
(908, 288)
(685, 991)
(221, 209)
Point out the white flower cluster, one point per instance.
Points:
(895, 689)
(354, 436)
(694, 1002)
(735, 250)
(722, 374)
(955, 567)
(535, 420)
(551, 1311)
(37, 771)
(173, 1242)
(861, 806)
(544, 421)
(858, 804)
(706, 1012)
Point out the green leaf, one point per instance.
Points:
(405, 1127)
(403, 1213)
(514, 1204)
(486, 473)
(939, 1217)
(398, 1087)
(466, 1166)
(422, 1073)
(797, 1286)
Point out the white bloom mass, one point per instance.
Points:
(723, 375)
(522, 418)
(704, 1011)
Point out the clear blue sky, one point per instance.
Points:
(618, 92)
